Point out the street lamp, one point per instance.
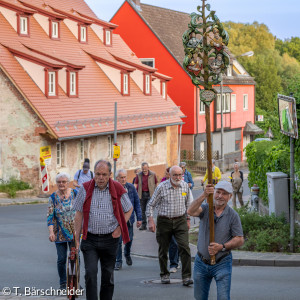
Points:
(248, 54)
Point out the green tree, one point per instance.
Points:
(289, 46)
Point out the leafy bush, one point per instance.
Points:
(13, 186)
(264, 157)
(267, 233)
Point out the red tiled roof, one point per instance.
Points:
(16, 6)
(92, 112)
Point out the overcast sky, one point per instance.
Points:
(281, 16)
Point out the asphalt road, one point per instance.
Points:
(28, 259)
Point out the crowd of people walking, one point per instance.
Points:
(100, 214)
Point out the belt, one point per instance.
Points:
(99, 235)
(207, 262)
(174, 218)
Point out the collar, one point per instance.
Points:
(107, 187)
(168, 182)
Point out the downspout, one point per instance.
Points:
(179, 146)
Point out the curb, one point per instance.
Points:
(25, 202)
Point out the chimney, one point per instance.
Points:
(136, 4)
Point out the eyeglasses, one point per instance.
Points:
(63, 182)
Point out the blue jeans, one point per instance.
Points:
(173, 253)
(62, 250)
(127, 246)
(203, 275)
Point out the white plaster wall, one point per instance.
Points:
(156, 84)
(43, 21)
(36, 72)
(10, 16)
(73, 27)
(138, 77)
(62, 79)
(113, 74)
(98, 31)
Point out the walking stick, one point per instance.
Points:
(205, 59)
(73, 271)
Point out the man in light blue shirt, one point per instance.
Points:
(84, 175)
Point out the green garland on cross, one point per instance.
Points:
(205, 47)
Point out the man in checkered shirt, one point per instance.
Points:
(102, 209)
(171, 199)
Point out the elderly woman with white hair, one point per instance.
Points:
(237, 179)
(60, 219)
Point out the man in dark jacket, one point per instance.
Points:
(121, 177)
(145, 183)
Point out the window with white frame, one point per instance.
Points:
(109, 146)
(73, 82)
(227, 103)
(125, 84)
(108, 37)
(148, 62)
(153, 136)
(164, 89)
(83, 34)
(52, 83)
(132, 143)
(58, 154)
(81, 150)
(54, 30)
(202, 107)
(245, 102)
(24, 25)
(147, 84)
(233, 102)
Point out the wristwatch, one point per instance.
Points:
(224, 248)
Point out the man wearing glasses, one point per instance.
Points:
(171, 199)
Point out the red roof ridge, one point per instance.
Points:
(79, 67)
(133, 64)
(111, 63)
(98, 21)
(39, 59)
(72, 17)
(17, 7)
(43, 11)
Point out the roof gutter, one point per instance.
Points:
(119, 131)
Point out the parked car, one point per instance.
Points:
(262, 139)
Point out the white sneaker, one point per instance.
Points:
(173, 270)
(178, 267)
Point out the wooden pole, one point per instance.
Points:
(209, 179)
(208, 140)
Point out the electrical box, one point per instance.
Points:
(278, 194)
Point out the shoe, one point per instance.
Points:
(118, 266)
(173, 270)
(187, 281)
(178, 267)
(165, 279)
(143, 228)
(63, 286)
(128, 261)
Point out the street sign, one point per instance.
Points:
(117, 151)
(259, 118)
(45, 154)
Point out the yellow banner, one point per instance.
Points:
(45, 152)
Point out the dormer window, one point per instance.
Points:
(54, 30)
(51, 83)
(72, 84)
(82, 34)
(164, 89)
(107, 37)
(125, 90)
(23, 25)
(147, 84)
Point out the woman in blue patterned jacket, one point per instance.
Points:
(60, 219)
